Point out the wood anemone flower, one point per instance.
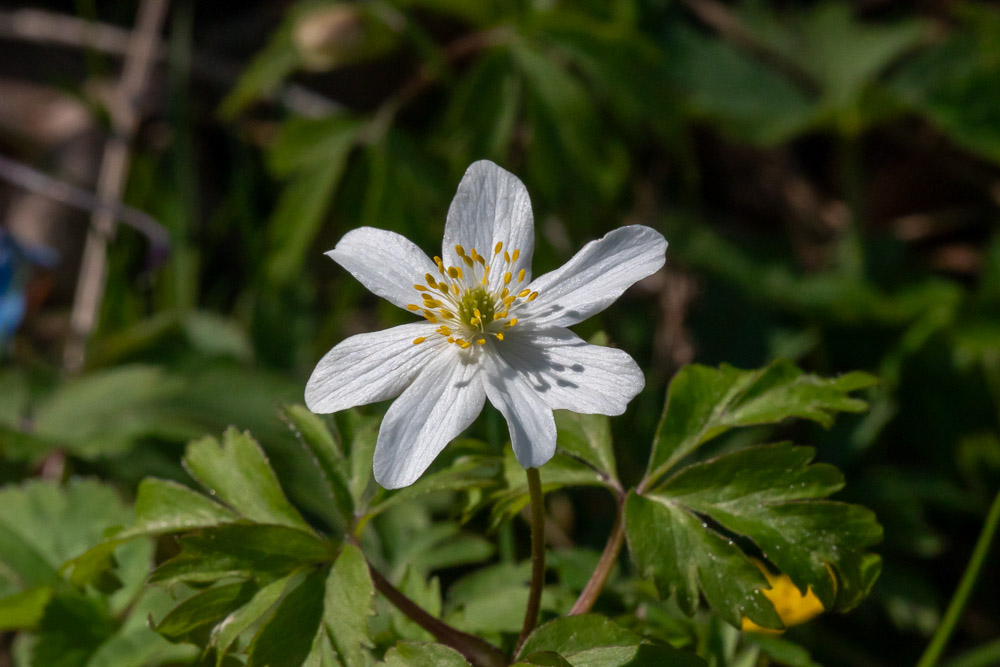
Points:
(489, 330)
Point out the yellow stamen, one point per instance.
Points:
(414, 307)
(473, 254)
(460, 250)
(517, 253)
(520, 276)
(417, 341)
(512, 322)
(454, 289)
(420, 288)
(468, 261)
(454, 272)
(498, 248)
(506, 256)
(481, 341)
(430, 280)
(534, 295)
(523, 293)
(499, 336)
(506, 278)
(504, 293)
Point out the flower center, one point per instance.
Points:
(469, 304)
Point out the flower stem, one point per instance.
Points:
(594, 585)
(476, 650)
(961, 597)
(537, 554)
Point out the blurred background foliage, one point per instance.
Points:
(827, 174)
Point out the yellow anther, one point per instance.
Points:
(481, 260)
(440, 264)
(512, 322)
(498, 248)
(509, 300)
(473, 254)
(414, 307)
(475, 311)
(430, 280)
(506, 278)
(420, 288)
(517, 253)
(460, 250)
(468, 261)
(502, 315)
(504, 293)
(534, 295)
(417, 341)
(520, 276)
(431, 317)
(450, 339)
(523, 293)
(475, 321)
(448, 315)
(454, 289)
(486, 269)
(499, 336)
(481, 341)
(506, 256)
(484, 281)
(464, 344)
(444, 288)
(454, 272)
(444, 330)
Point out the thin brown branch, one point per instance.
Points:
(476, 650)
(588, 596)
(124, 108)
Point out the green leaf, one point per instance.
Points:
(23, 610)
(951, 84)
(745, 97)
(164, 506)
(288, 636)
(593, 640)
(420, 654)
(349, 596)
(237, 473)
(770, 496)
(588, 438)
(316, 436)
(305, 144)
(269, 68)
(242, 550)
(71, 630)
(561, 471)
(192, 620)
(225, 633)
(704, 402)
(467, 472)
(44, 524)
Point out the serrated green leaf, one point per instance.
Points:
(543, 659)
(237, 472)
(193, 619)
(704, 402)
(593, 640)
(316, 436)
(587, 437)
(772, 496)
(242, 550)
(349, 596)
(225, 633)
(162, 506)
(421, 654)
(288, 636)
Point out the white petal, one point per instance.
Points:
(442, 401)
(567, 373)
(371, 367)
(491, 206)
(388, 264)
(596, 276)
(529, 420)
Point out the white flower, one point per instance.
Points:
(489, 330)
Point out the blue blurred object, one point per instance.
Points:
(16, 264)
